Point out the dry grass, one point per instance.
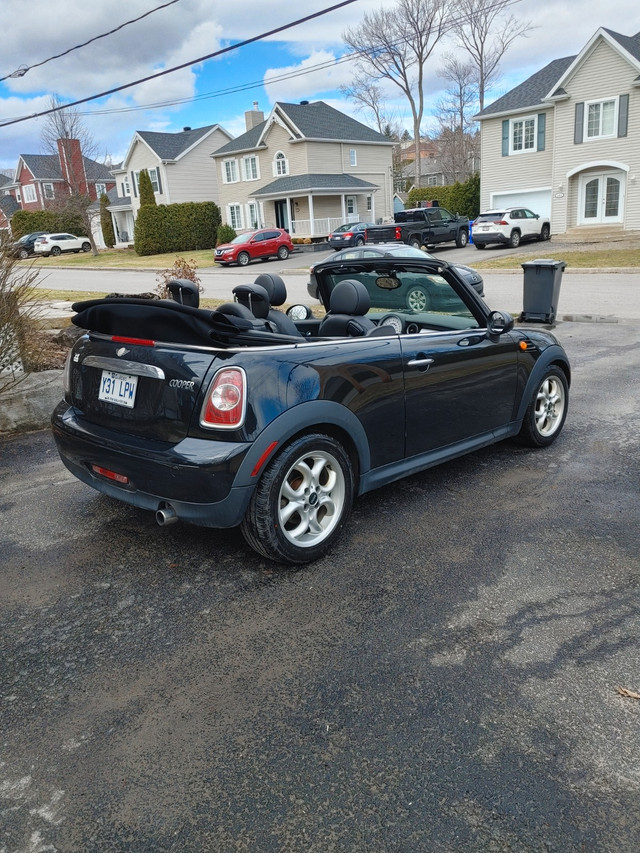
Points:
(122, 259)
(598, 257)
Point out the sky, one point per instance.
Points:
(282, 67)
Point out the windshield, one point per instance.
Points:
(242, 238)
(408, 291)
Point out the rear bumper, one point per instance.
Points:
(195, 476)
(489, 237)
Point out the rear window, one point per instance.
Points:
(491, 217)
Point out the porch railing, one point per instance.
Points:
(321, 227)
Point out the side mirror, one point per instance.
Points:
(312, 289)
(299, 312)
(499, 322)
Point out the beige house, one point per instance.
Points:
(566, 141)
(307, 168)
(179, 166)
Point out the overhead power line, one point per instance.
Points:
(20, 72)
(183, 65)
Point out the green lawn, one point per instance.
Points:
(127, 258)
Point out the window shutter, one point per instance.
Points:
(578, 129)
(133, 184)
(158, 179)
(623, 115)
(505, 138)
(542, 122)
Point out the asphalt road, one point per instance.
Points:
(611, 295)
(446, 680)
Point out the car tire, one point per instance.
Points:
(415, 243)
(86, 247)
(545, 233)
(23, 253)
(243, 259)
(514, 239)
(301, 502)
(359, 241)
(55, 251)
(418, 299)
(462, 239)
(479, 245)
(283, 253)
(546, 413)
(76, 251)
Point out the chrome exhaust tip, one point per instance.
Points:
(166, 514)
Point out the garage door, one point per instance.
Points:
(539, 201)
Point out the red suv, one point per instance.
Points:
(266, 243)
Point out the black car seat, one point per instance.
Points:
(348, 305)
(277, 295)
(254, 298)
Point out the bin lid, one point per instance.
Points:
(544, 262)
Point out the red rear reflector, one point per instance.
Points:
(262, 459)
(110, 475)
(143, 342)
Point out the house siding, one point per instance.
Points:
(602, 74)
(525, 171)
(193, 177)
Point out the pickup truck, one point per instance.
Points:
(422, 226)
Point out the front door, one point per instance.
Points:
(282, 214)
(601, 198)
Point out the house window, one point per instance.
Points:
(353, 158)
(101, 189)
(601, 118)
(252, 218)
(229, 172)
(48, 190)
(280, 164)
(369, 203)
(523, 134)
(18, 196)
(234, 215)
(155, 183)
(30, 193)
(432, 181)
(125, 187)
(251, 172)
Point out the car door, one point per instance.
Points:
(530, 223)
(269, 243)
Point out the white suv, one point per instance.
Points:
(510, 226)
(56, 244)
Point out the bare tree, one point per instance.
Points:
(486, 33)
(394, 44)
(60, 135)
(457, 141)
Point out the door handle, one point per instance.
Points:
(421, 361)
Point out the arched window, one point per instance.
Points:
(280, 164)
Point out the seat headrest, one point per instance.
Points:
(184, 291)
(274, 286)
(253, 297)
(349, 297)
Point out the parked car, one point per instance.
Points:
(509, 226)
(264, 244)
(56, 244)
(23, 247)
(350, 234)
(395, 250)
(217, 418)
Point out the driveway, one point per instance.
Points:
(452, 677)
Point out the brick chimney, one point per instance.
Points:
(253, 117)
(72, 165)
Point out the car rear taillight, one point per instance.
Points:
(348, 234)
(502, 222)
(398, 233)
(225, 403)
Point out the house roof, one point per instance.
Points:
(8, 205)
(46, 167)
(170, 146)
(5, 179)
(302, 184)
(536, 90)
(306, 121)
(530, 93)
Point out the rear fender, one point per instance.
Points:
(311, 416)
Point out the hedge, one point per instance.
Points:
(28, 221)
(176, 227)
(458, 198)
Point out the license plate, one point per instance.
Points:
(119, 388)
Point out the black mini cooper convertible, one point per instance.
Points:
(246, 415)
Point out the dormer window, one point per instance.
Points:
(280, 164)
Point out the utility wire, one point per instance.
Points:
(20, 72)
(183, 65)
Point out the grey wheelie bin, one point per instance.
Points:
(541, 290)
